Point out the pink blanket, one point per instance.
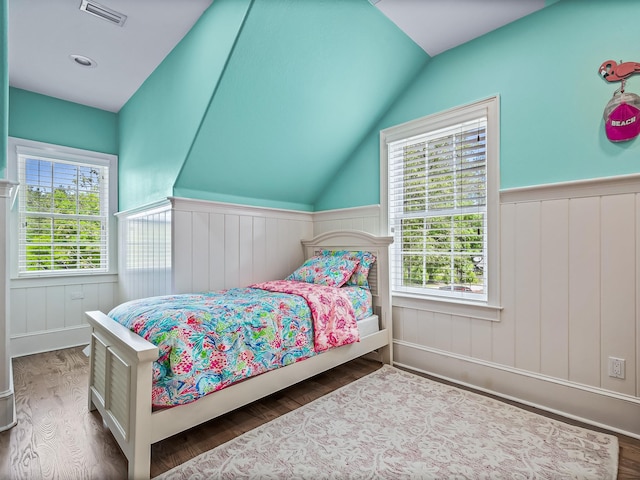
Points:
(334, 320)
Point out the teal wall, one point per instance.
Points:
(545, 69)
(261, 102)
(280, 102)
(4, 86)
(158, 124)
(305, 82)
(46, 119)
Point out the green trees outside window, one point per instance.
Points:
(438, 209)
(63, 223)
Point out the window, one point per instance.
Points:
(63, 211)
(440, 186)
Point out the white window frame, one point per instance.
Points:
(20, 147)
(454, 304)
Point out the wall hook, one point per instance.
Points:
(612, 71)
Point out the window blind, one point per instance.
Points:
(63, 216)
(437, 211)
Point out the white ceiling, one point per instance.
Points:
(44, 33)
(439, 25)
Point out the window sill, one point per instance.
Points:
(54, 280)
(449, 306)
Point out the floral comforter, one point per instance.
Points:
(208, 341)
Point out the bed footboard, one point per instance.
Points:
(120, 378)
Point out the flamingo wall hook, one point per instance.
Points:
(622, 113)
(612, 71)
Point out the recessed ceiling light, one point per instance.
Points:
(83, 61)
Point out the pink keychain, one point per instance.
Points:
(622, 113)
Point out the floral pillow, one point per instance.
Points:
(365, 261)
(333, 271)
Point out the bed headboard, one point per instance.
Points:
(379, 273)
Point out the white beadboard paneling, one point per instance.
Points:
(259, 250)
(353, 224)
(245, 259)
(231, 251)
(36, 309)
(357, 218)
(397, 322)
(371, 224)
(461, 335)
(18, 314)
(162, 278)
(527, 287)
(200, 251)
(216, 251)
(434, 330)
(288, 249)
(584, 291)
(481, 341)
(410, 325)
(241, 244)
(182, 251)
(554, 301)
(91, 298)
(55, 306)
(426, 329)
(284, 249)
(503, 332)
(570, 281)
(617, 324)
(273, 266)
(106, 297)
(144, 252)
(73, 313)
(45, 316)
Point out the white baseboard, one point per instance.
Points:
(49, 340)
(594, 406)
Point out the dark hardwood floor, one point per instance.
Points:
(56, 436)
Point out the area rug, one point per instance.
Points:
(394, 424)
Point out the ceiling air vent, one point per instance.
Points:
(103, 12)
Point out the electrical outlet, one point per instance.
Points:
(77, 295)
(616, 367)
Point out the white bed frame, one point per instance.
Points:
(121, 365)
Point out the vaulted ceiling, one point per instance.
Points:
(247, 101)
(44, 34)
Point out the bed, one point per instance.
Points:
(122, 364)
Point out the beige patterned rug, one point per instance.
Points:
(393, 424)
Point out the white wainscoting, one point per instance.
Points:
(218, 245)
(175, 246)
(570, 275)
(366, 219)
(144, 246)
(48, 314)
